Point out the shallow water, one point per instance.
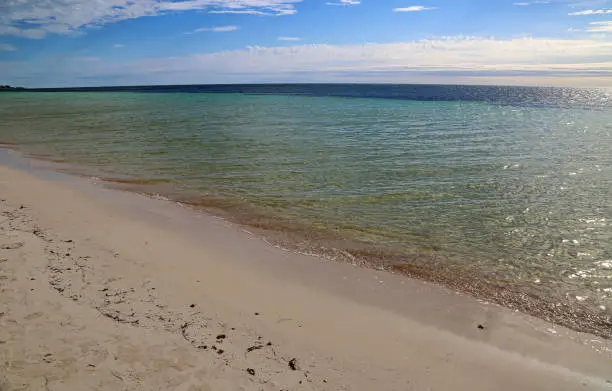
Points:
(518, 193)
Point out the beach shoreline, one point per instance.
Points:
(150, 294)
(507, 203)
(304, 240)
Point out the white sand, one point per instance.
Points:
(97, 288)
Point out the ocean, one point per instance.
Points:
(501, 192)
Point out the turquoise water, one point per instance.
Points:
(520, 196)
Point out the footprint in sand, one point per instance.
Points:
(11, 246)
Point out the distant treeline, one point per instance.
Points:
(7, 87)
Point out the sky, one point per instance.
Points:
(62, 43)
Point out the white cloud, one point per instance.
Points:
(37, 18)
(414, 8)
(524, 4)
(344, 2)
(600, 27)
(591, 12)
(216, 29)
(6, 47)
(243, 12)
(450, 59)
(32, 33)
(288, 38)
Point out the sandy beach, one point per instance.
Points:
(108, 290)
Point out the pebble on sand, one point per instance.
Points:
(293, 364)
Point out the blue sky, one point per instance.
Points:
(128, 42)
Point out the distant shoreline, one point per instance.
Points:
(505, 95)
(11, 88)
(281, 85)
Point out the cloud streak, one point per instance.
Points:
(525, 4)
(591, 12)
(451, 59)
(414, 8)
(87, 59)
(5, 47)
(600, 27)
(216, 29)
(36, 18)
(344, 2)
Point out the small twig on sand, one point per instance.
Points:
(115, 374)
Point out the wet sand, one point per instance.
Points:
(102, 289)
